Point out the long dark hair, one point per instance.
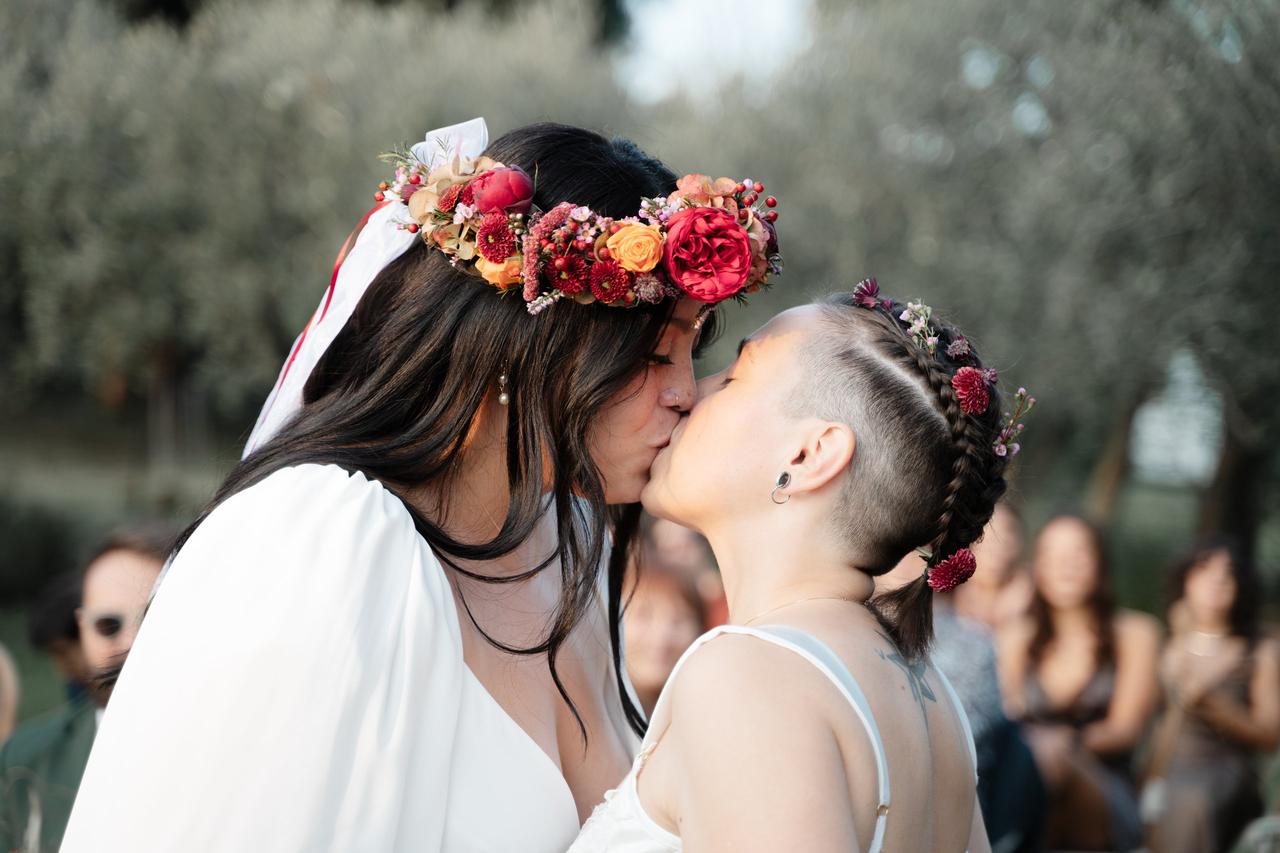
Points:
(1244, 609)
(1101, 603)
(926, 473)
(398, 390)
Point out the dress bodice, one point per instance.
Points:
(299, 684)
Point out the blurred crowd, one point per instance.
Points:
(85, 624)
(1097, 727)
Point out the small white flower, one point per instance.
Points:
(581, 214)
(462, 213)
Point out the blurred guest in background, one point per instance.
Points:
(1080, 674)
(52, 629)
(1221, 685)
(686, 553)
(8, 694)
(41, 764)
(999, 593)
(664, 615)
(1010, 792)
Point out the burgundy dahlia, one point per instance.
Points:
(971, 390)
(449, 198)
(495, 240)
(569, 272)
(609, 281)
(953, 571)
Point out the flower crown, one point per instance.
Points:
(972, 386)
(707, 240)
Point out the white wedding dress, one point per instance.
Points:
(299, 685)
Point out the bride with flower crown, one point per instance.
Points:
(395, 627)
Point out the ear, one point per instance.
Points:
(825, 450)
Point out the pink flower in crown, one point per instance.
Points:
(530, 271)
(953, 571)
(703, 191)
(707, 253)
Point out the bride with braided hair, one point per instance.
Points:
(395, 627)
(815, 720)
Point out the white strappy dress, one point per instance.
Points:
(621, 825)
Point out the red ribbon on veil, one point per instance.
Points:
(333, 284)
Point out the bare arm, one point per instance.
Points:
(758, 766)
(1258, 725)
(1012, 645)
(1137, 687)
(8, 695)
(978, 841)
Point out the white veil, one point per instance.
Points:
(379, 243)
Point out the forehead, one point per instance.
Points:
(120, 578)
(783, 335)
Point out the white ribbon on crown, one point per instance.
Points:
(379, 243)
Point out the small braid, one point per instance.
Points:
(975, 484)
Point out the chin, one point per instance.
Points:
(651, 500)
(628, 491)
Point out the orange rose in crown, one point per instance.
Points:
(707, 253)
(636, 248)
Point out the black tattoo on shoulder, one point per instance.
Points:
(915, 672)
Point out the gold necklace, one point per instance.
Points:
(800, 601)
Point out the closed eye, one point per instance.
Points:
(654, 358)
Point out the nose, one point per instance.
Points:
(681, 391)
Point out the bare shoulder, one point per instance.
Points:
(1013, 639)
(1136, 627)
(738, 688)
(1267, 652)
(732, 670)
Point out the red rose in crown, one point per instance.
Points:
(707, 253)
(509, 189)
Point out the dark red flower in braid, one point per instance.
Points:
(449, 198)
(953, 571)
(971, 390)
(867, 293)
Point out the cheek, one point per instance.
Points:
(622, 423)
(720, 451)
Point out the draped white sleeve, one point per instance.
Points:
(297, 685)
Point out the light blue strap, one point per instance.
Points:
(964, 720)
(829, 664)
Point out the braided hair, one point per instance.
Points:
(926, 474)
